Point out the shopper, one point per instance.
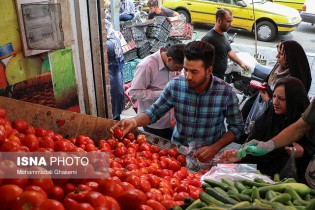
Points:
(289, 102)
(126, 10)
(157, 10)
(218, 38)
(202, 103)
(291, 62)
(151, 76)
(115, 66)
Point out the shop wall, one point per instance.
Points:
(47, 78)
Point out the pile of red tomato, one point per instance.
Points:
(142, 176)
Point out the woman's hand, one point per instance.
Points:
(229, 156)
(297, 150)
(264, 96)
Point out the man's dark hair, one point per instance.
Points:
(176, 52)
(199, 50)
(221, 13)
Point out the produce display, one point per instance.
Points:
(257, 194)
(142, 176)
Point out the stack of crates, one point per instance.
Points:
(143, 48)
(160, 29)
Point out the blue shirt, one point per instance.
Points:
(199, 117)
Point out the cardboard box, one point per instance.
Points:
(66, 123)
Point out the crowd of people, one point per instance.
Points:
(182, 97)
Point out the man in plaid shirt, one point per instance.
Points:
(201, 102)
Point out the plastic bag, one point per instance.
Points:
(235, 172)
(289, 170)
(258, 108)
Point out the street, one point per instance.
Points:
(304, 34)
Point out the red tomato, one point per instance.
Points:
(168, 204)
(110, 188)
(144, 207)
(84, 206)
(134, 180)
(154, 180)
(9, 193)
(180, 196)
(155, 205)
(120, 151)
(141, 139)
(112, 203)
(145, 185)
(69, 203)
(54, 205)
(19, 125)
(181, 159)
(130, 136)
(68, 188)
(154, 149)
(173, 152)
(93, 185)
(31, 142)
(154, 196)
(30, 198)
(3, 112)
(126, 141)
(182, 188)
(10, 146)
(57, 193)
(118, 133)
(163, 152)
(174, 165)
(131, 199)
(36, 189)
(144, 147)
(96, 199)
(126, 186)
(46, 142)
(45, 183)
(41, 132)
(29, 130)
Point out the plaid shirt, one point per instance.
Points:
(199, 117)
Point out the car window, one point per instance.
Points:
(225, 1)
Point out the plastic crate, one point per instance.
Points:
(143, 48)
(127, 34)
(129, 69)
(130, 55)
(161, 21)
(138, 33)
(157, 32)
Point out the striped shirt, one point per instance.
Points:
(127, 7)
(199, 117)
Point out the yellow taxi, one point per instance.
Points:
(271, 19)
(296, 4)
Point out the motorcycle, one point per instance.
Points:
(240, 79)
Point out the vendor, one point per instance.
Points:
(201, 102)
(157, 10)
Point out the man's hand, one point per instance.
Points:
(126, 125)
(245, 67)
(206, 153)
(256, 148)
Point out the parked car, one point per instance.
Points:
(308, 11)
(296, 4)
(271, 19)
